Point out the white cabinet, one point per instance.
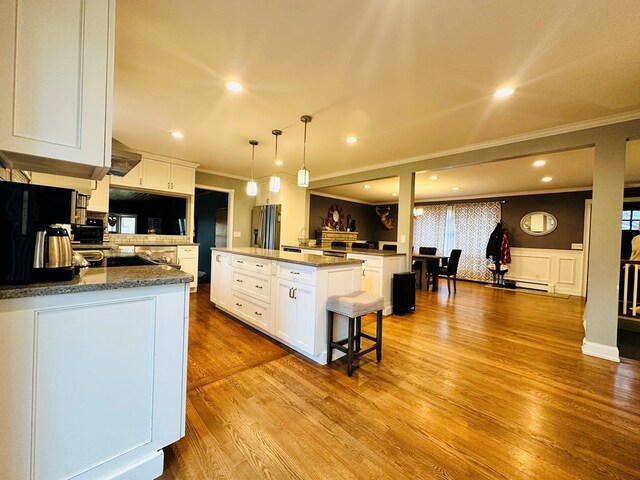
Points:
(377, 275)
(221, 279)
(188, 260)
(250, 309)
(294, 318)
(251, 290)
(132, 179)
(56, 81)
(99, 201)
(87, 401)
(160, 176)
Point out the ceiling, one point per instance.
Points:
(408, 78)
(569, 170)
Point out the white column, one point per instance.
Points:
(405, 216)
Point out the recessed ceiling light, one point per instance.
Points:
(367, 187)
(503, 92)
(539, 163)
(433, 177)
(233, 86)
(279, 163)
(179, 135)
(546, 179)
(394, 194)
(456, 188)
(351, 140)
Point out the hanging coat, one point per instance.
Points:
(495, 243)
(505, 251)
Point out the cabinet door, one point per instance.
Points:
(284, 321)
(188, 259)
(372, 280)
(99, 201)
(133, 178)
(183, 179)
(305, 318)
(220, 289)
(155, 174)
(55, 89)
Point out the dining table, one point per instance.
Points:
(423, 258)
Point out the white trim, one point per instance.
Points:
(572, 127)
(606, 352)
(586, 236)
(230, 203)
(338, 197)
(167, 159)
(504, 194)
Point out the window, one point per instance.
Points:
(466, 226)
(119, 223)
(630, 219)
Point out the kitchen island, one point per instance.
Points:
(283, 294)
(378, 267)
(93, 373)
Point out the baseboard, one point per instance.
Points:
(150, 467)
(599, 350)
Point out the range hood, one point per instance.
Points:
(123, 159)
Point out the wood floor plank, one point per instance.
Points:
(486, 383)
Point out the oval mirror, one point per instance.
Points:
(538, 223)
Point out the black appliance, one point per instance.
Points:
(92, 232)
(24, 210)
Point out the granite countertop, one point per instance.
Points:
(101, 278)
(290, 257)
(361, 251)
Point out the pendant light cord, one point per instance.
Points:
(304, 147)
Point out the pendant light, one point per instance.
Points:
(274, 182)
(252, 186)
(303, 173)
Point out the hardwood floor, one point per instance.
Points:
(486, 383)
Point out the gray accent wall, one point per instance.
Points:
(368, 223)
(568, 208)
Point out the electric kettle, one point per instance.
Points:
(52, 256)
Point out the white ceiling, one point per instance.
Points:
(569, 170)
(409, 78)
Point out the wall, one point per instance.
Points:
(206, 204)
(242, 203)
(568, 208)
(367, 220)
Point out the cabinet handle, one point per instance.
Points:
(260, 266)
(291, 292)
(258, 313)
(259, 286)
(140, 181)
(239, 261)
(294, 273)
(363, 273)
(238, 304)
(238, 280)
(294, 293)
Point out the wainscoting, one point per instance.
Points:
(558, 271)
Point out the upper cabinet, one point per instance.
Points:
(160, 176)
(56, 81)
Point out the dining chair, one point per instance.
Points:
(360, 245)
(432, 266)
(451, 270)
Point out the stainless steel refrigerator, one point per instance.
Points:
(265, 227)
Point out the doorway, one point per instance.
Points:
(211, 219)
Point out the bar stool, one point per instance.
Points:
(354, 306)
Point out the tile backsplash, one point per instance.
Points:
(131, 239)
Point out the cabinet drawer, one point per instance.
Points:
(297, 273)
(186, 252)
(369, 260)
(255, 285)
(252, 264)
(254, 311)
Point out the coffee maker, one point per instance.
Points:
(52, 254)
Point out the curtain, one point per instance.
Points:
(429, 230)
(472, 225)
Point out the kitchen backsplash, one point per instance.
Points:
(131, 239)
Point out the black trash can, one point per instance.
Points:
(404, 293)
